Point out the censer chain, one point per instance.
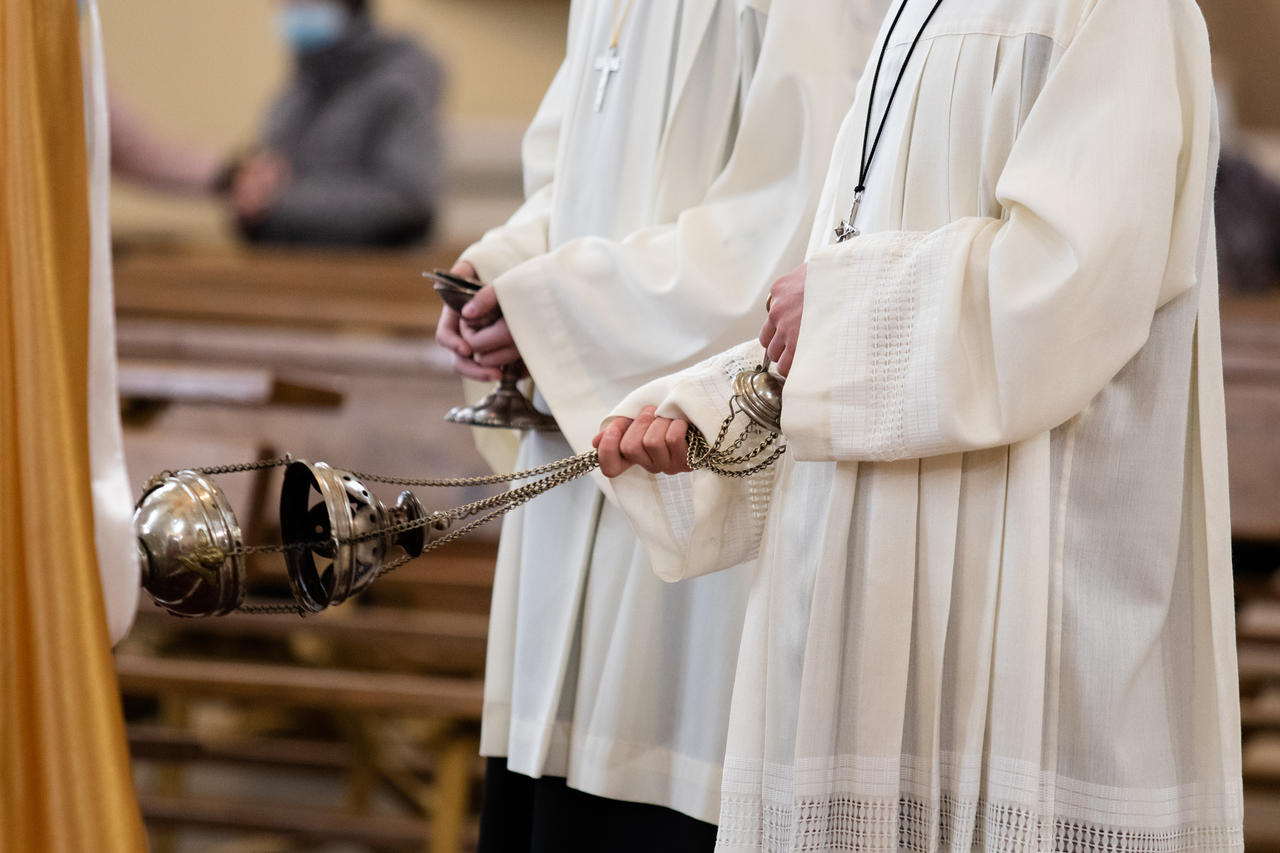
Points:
(571, 469)
(715, 457)
(432, 483)
(720, 459)
(561, 472)
(485, 480)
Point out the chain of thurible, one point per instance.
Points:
(716, 457)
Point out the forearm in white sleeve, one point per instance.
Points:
(989, 331)
(700, 522)
(595, 317)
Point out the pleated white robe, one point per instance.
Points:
(651, 231)
(993, 605)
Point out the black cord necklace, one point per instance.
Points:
(845, 230)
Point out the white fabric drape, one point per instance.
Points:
(651, 231)
(112, 503)
(993, 606)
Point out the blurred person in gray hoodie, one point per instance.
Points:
(351, 154)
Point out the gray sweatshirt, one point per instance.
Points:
(358, 125)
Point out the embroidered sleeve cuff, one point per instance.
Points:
(863, 382)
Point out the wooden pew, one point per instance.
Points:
(352, 695)
(448, 704)
(408, 657)
(314, 825)
(194, 341)
(1258, 621)
(458, 577)
(191, 382)
(292, 686)
(171, 381)
(298, 288)
(399, 764)
(438, 641)
(1251, 369)
(348, 622)
(151, 742)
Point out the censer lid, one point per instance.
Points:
(759, 395)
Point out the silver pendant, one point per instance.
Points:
(845, 230)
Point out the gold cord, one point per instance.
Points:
(619, 23)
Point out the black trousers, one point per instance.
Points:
(525, 815)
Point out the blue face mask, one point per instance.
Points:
(312, 26)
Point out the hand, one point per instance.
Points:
(491, 345)
(258, 182)
(449, 335)
(782, 329)
(658, 445)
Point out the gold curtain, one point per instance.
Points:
(64, 768)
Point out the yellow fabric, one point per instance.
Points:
(64, 769)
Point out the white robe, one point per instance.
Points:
(114, 539)
(993, 607)
(650, 234)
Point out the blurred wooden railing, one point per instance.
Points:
(296, 288)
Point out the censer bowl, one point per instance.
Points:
(187, 539)
(328, 519)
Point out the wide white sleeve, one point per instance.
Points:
(525, 234)
(521, 237)
(596, 318)
(696, 523)
(986, 332)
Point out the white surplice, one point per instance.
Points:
(114, 539)
(993, 604)
(651, 231)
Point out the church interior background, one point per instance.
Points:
(358, 729)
